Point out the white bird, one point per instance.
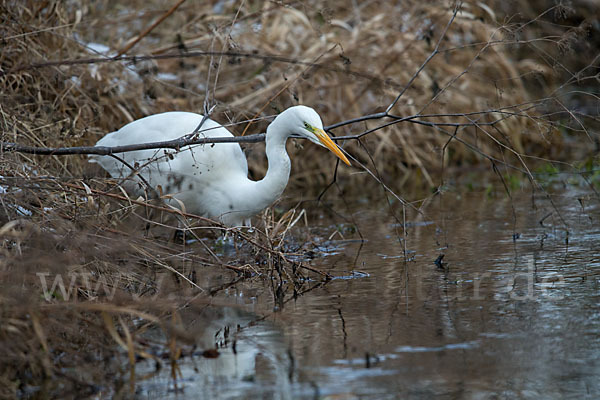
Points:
(212, 180)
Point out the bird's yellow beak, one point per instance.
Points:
(327, 142)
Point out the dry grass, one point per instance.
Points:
(59, 216)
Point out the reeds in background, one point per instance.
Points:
(530, 66)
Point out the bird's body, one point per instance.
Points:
(211, 180)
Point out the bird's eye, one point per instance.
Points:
(306, 125)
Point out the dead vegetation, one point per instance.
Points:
(501, 88)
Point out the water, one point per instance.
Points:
(513, 311)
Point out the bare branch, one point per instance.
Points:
(175, 144)
(271, 58)
(149, 29)
(194, 139)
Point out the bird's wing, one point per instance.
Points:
(223, 158)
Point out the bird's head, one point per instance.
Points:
(304, 122)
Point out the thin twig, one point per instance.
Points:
(149, 29)
(428, 59)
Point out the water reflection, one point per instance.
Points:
(508, 318)
(238, 357)
(513, 312)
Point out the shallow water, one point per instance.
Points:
(513, 311)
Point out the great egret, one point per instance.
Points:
(212, 180)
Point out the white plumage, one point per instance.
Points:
(211, 180)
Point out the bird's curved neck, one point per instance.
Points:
(278, 172)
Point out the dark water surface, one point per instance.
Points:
(514, 311)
